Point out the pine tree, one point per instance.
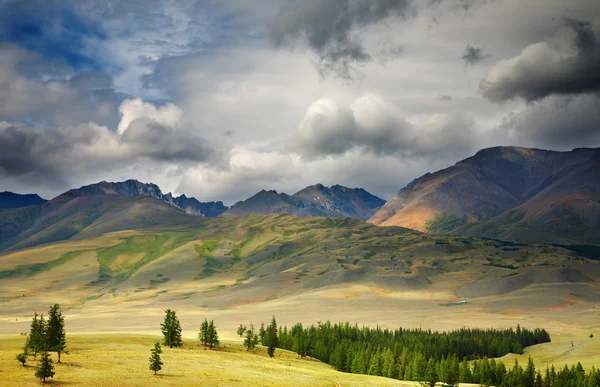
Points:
(36, 339)
(155, 361)
(44, 369)
(262, 334)
(241, 329)
(203, 334)
(251, 338)
(272, 341)
(431, 376)
(55, 331)
(529, 377)
(213, 337)
(171, 330)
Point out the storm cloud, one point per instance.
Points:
(542, 69)
(58, 155)
(331, 29)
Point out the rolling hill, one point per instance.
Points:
(315, 200)
(510, 193)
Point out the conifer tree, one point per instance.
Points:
(262, 334)
(36, 340)
(241, 329)
(171, 330)
(431, 376)
(272, 341)
(203, 334)
(44, 369)
(251, 338)
(55, 331)
(213, 337)
(155, 361)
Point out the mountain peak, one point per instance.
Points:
(132, 187)
(500, 183)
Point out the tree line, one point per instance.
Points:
(424, 355)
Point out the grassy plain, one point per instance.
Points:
(246, 269)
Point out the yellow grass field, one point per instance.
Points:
(122, 360)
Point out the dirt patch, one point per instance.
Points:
(571, 300)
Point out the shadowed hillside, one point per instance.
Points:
(13, 200)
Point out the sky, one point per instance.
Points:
(220, 99)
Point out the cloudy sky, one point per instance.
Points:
(219, 99)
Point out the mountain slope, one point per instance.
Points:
(135, 188)
(316, 200)
(84, 216)
(501, 192)
(14, 200)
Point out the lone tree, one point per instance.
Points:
(56, 340)
(36, 341)
(213, 337)
(155, 362)
(271, 339)
(251, 338)
(203, 334)
(22, 358)
(241, 329)
(44, 369)
(171, 330)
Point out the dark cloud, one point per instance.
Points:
(473, 55)
(446, 98)
(331, 29)
(557, 122)
(53, 157)
(542, 70)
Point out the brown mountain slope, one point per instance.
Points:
(553, 196)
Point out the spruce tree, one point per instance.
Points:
(171, 330)
(213, 337)
(44, 369)
(203, 334)
(262, 334)
(155, 361)
(272, 341)
(251, 338)
(55, 331)
(37, 335)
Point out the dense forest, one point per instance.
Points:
(423, 355)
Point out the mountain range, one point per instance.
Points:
(315, 200)
(508, 193)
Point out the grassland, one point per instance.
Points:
(111, 360)
(246, 269)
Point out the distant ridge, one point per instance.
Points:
(14, 200)
(315, 200)
(134, 188)
(509, 193)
